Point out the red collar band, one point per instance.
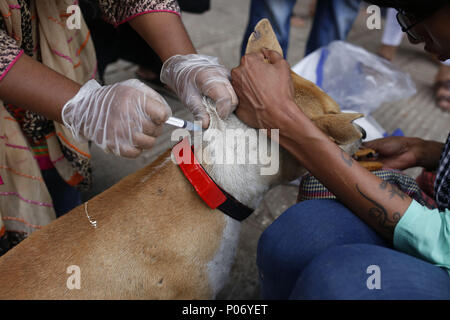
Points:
(206, 188)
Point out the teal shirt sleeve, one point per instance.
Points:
(425, 234)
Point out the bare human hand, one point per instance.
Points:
(264, 86)
(404, 152)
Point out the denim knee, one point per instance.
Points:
(300, 234)
(349, 271)
(277, 242)
(278, 247)
(309, 227)
(331, 275)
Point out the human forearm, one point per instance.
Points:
(191, 76)
(165, 33)
(266, 100)
(33, 86)
(376, 202)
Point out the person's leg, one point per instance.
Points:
(278, 12)
(64, 196)
(300, 234)
(443, 86)
(348, 271)
(333, 21)
(392, 36)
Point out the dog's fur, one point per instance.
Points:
(155, 238)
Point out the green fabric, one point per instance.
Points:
(425, 234)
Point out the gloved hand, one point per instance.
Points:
(194, 75)
(123, 118)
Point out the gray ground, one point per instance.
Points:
(219, 32)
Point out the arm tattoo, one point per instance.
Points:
(381, 216)
(347, 158)
(394, 191)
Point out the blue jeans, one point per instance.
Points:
(64, 196)
(319, 249)
(333, 21)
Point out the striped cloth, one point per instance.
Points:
(37, 142)
(442, 184)
(30, 143)
(311, 188)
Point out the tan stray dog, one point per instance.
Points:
(154, 237)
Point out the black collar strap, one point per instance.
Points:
(214, 196)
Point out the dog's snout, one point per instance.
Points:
(361, 129)
(364, 133)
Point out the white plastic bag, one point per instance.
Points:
(357, 79)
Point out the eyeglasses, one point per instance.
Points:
(408, 23)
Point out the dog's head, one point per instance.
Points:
(316, 104)
(231, 139)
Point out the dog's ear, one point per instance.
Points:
(339, 127)
(311, 99)
(263, 37)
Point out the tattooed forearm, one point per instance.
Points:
(347, 158)
(378, 213)
(394, 191)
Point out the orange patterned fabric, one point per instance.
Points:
(28, 140)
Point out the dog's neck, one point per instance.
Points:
(246, 182)
(249, 181)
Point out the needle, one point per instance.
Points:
(180, 123)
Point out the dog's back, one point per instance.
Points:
(154, 239)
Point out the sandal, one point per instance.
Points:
(443, 97)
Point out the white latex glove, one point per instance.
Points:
(194, 75)
(123, 118)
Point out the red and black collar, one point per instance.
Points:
(214, 196)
